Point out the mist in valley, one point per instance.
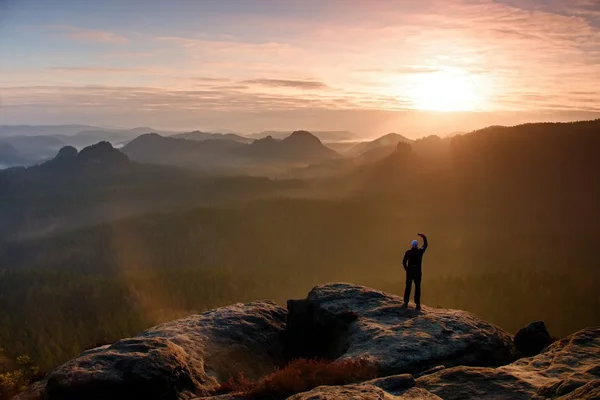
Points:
(96, 246)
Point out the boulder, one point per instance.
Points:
(339, 321)
(178, 359)
(568, 369)
(533, 338)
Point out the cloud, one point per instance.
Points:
(89, 35)
(287, 83)
(519, 54)
(108, 70)
(225, 98)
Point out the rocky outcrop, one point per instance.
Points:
(568, 369)
(347, 321)
(533, 338)
(426, 354)
(177, 359)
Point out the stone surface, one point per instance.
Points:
(568, 369)
(348, 321)
(399, 387)
(533, 338)
(179, 358)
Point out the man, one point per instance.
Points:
(412, 266)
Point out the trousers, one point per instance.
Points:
(413, 275)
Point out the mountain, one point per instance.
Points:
(201, 136)
(388, 141)
(325, 136)
(300, 146)
(100, 184)
(368, 344)
(118, 136)
(98, 159)
(540, 154)
(228, 155)
(431, 150)
(153, 148)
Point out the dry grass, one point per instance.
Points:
(301, 375)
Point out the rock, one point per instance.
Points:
(179, 358)
(347, 321)
(590, 390)
(454, 354)
(399, 387)
(533, 338)
(568, 369)
(476, 383)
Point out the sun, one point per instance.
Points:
(445, 90)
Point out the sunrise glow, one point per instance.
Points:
(253, 65)
(446, 91)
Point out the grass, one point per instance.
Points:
(301, 375)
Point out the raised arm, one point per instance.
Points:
(424, 241)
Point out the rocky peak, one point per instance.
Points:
(67, 152)
(102, 153)
(303, 137)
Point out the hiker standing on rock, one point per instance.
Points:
(412, 265)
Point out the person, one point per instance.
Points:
(412, 265)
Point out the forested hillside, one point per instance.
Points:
(511, 215)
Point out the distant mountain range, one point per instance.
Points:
(32, 144)
(228, 152)
(201, 136)
(498, 163)
(97, 159)
(325, 136)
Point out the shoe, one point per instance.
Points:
(418, 307)
(405, 305)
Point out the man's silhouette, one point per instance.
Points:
(412, 265)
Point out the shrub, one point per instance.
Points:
(13, 382)
(301, 375)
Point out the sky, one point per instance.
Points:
(371, 67)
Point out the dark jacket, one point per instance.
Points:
(413, 257)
